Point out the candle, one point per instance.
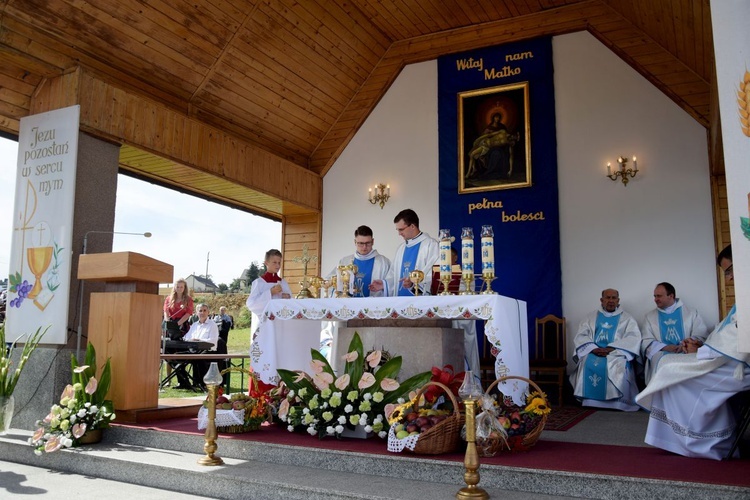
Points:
(635, 164)
(467, 253)
(388, 189)
(609, 168)
(369, 194)
(488, 251)
(445, 253)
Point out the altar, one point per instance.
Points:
(289, 328)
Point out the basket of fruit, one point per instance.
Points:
(240, 412)
(521, 425)
(427, 431)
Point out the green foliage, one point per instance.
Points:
(8, 376)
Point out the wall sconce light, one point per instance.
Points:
(623, 172)
(381, 195)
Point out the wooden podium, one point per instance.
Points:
(125, 323)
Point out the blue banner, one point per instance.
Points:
(498, 165)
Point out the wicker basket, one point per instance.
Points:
(514, 443)
(248, 423)
(444, 437)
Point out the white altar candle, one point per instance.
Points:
(488, 250)
(467, 258)
(445, 258)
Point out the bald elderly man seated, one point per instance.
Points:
(607, 348)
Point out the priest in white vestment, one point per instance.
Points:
(371, 266)
(607, 347)
(667, 328)
(418, 252)
(687, 396)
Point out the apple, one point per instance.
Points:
(401, 434)
(411, 427)
(399, 428)
(412, 416)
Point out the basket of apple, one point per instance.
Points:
(428, 431)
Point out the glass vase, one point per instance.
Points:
(7, 404)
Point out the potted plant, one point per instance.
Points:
(82, 412)
(9, 377)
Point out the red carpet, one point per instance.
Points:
(563, 418)
(642, 462)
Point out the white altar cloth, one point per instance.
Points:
(289, 328)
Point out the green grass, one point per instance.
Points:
(239, 343)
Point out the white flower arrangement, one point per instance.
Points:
(326, 405)
(82, 408)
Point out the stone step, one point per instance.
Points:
(168, 460)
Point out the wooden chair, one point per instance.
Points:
(549, 364)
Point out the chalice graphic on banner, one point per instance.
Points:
(38, 259)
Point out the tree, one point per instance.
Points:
(223, 288)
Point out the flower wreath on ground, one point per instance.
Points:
(325, 405)
(82, 408)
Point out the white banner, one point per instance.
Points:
(732, 51)
(41, 250)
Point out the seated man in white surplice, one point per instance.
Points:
(669, 328)
(687, 396)
(608, 345)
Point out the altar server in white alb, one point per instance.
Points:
(687, 396)
(608, 345)
(267, 287)
(668, 327)
(371, 266)
(418, 252)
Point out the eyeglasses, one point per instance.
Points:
(728, 271)
(363, 243)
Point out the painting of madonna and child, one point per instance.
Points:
(494, 138)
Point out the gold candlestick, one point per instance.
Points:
(488, 278)
(468, 280)
(446, 280)
(212, 380)
(470, 391)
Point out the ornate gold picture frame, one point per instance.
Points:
(494, 147)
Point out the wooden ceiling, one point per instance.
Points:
(298, 78)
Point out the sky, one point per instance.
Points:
(199, 233)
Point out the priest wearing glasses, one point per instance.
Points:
(371, 266)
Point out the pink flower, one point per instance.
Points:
(79, 430)
(342, 382)
(389, 384)
(366, 381)
(80, 369)
(68, 392)
(283, 408)
(322, 380)
(374, 358)
(300, 377)
(91, 386)
(38, 435)
(389, 409)
(317, 365)
(350, 356)
(54, 444)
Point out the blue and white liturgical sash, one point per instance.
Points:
(595, 369)
(408, 264)
(365, 267)
(670, 327)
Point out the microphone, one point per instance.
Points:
(80, 288)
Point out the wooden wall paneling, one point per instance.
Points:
(722, 237)
(298, 231)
